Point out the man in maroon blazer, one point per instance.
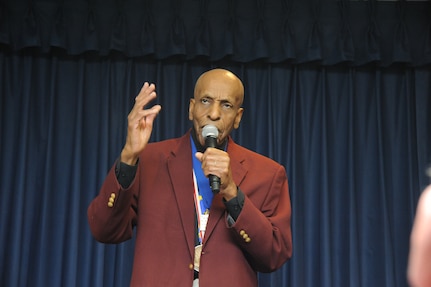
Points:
(187, 235)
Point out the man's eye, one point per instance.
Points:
(205, 101)
(227, 106)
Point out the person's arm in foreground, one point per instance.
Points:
(419, 267)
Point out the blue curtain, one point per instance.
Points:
(354, 141)
(273, 31)
(338, 92)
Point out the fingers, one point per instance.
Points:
(146, 95)
(146, 117)
(149, 113)
(139, 113)
(215, 162)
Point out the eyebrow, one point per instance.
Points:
(223, 100)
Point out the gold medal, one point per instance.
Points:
(198, 252)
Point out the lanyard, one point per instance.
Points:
(202, 214)
(203, 194)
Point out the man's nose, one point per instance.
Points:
(214, 113)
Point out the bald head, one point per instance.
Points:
(221, 77)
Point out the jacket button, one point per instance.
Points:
(111, 200)
(191, 266)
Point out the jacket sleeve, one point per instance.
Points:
(263, 227)
(112, 213)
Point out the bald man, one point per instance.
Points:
(187, 234)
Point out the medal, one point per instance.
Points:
(198, 252)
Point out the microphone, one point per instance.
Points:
(210, 133)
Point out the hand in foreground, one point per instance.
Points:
(140, 124)
(217, 162)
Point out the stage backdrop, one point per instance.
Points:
(350, 120)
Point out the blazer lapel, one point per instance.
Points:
(238, 172)
(180, 171)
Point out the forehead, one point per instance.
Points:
(220, 87)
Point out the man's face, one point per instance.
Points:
(217, 101)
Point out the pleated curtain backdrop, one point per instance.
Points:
(338, 92)
(297, 31)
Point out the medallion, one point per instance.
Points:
(198, 252)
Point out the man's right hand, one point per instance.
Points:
(140, 124)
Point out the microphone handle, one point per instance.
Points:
(214, 180)
(214, 183)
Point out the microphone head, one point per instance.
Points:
(210, 131)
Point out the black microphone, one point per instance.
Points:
(210, 133)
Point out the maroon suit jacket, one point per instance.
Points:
(160, 203)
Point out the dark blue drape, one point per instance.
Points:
(338, 92)
(355, 143)
(297, 31)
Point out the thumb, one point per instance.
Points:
(199, 156)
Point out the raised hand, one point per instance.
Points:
(140, 124)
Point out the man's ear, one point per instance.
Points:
(238, 118)
(191, 108)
